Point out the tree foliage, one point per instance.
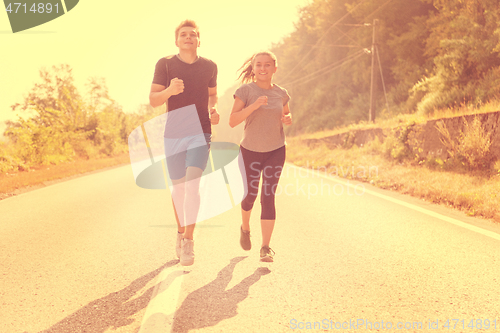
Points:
(58, 124)
(433, 54)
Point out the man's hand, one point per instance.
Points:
(214, 116)
(176, 86)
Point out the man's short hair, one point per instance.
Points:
(187, 23)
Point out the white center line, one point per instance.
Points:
(163, 304)
(159, 315)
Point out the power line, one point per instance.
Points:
(326, 69)
(323, 69)
(377, 10)
(322, 37)
(344, 33)
(382, 77)
(363, 24)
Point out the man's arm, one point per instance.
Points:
(212, 105)
(159, 94)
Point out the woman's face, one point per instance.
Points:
(263, 67)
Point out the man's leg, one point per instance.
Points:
(192, 199)
(191, 208)
(178, 195)
(180, 228)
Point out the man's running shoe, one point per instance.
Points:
(187, 252)
(178, 245)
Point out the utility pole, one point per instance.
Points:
(372, 85)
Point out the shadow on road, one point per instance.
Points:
(111, 311)
(212, 303)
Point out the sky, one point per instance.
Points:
(122, 41)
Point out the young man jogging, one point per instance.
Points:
(181, 81)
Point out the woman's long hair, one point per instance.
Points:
(247, 74)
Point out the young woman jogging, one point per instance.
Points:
(263, 106)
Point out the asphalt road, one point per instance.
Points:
(96, 254)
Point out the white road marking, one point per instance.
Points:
(163, 303)
(159, 315)
(481, 231)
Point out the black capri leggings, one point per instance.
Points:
(269, 164)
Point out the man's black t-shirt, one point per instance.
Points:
(197, 78)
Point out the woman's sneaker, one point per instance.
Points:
(266, 254)
(187, 252)
(245, 240)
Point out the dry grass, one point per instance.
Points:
(475, 194)
(408, 118)
(18, 182)
(465, 109)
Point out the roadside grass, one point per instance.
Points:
(12, 183)
(394, 121)
(475, 193)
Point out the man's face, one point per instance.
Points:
(187, 39)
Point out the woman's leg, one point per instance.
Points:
(267, 227)
(245, 219)
(271, 172)
(252, 162)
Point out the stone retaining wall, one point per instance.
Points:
(426, 135)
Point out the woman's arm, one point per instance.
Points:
(287, 116)
(240, 113)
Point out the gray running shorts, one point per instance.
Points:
(190, 151)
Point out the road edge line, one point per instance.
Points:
(451, 220)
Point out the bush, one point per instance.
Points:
(401, 142)
(471, 149)
(474, 145)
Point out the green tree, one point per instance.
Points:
(464, 46)
(58, 124)
(325, 63)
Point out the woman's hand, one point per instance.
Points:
(262, 100)
(239, 113)
(286, 117)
